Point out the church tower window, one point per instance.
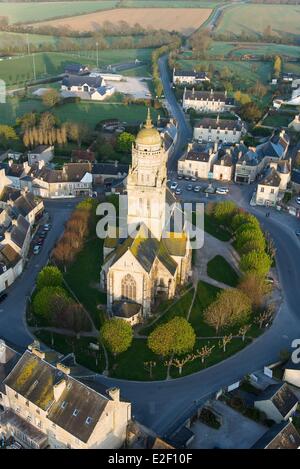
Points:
(128, 288)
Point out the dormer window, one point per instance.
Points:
(64, 404)
(76, 412)
(88, 420)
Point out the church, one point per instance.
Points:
(155, 258)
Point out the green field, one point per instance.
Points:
(169, 3)
(246, 72)
(253, 19)
(237, 49)
(219, 269)
(28, 12)
(88, 112)
(20, 68)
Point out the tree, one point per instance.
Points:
(264, 317)
(50, 276)
(231, 307)
(242, 98)
(7, 135)
(176, 336)
(250, 112)
(51, 98)
(248, 236)
(44, 299)
(116, 335)
(179, 362)
(149, 366)
(63, 253)
(73, 317)
(255, 262)
(225, 341)
(277, 66)
(243, 331)
(255, 288)
(204, 352)
(224, 211)
(124, 142)
(243, 218)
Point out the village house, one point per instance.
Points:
(272, 187)
(278, 402)
(223, 167)
(219, 130)
(46, 407)
(295, 124)
(86, 87)
(197, 161)
(207, 101)
(251, 161)
(41, 153)
(292, 373)
(76, 69)
(283, 435)
(103, 172)
(189, 77)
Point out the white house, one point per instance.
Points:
(86, 87)
(197, 161)
(219, 130)
(190, 77)
(278, 402)
(207, 101)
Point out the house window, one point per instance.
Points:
(272, 191)
(128, 288)
(262, 189)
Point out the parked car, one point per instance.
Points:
(47, 227)
(178, 191)
(193, 179)
(179, 176)
(197, 189)
(187, 178)
(222, 190)
(189, 187)
(42, 234)
(174, 186)
(36, 249)
(298, 200)
(3, 296)
(297, 232)
(40, 241)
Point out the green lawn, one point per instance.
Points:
(35, 11)
(213, 228)
(206, 294)
(253, 19)
(237, 49)
(19, 69)
(219, 269)
(88, 112)
(280, 119)
(66, 344)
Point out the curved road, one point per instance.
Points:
(160, 404)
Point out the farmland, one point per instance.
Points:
(88, 112)
(28, 12)
(20, 69)
(238, 49)
(180, 19)
(253, 19)
(170, 3)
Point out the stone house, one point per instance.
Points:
(278, 402)
(219, 130)
(198, 161)
(207, 101)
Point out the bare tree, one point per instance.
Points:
(204, 352)
(243, 331)
(180, 362)
(149, 366)
(225, 341)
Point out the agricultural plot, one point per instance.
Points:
(184, 20)
(19, 69)
(239, 49)
(253, 19)
(28, 12)
(169, 3)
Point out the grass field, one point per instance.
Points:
(237, 49)
(253, 19)
(184, 20)
(88, 112)
(170, 3)
(246, 72)
(20, 69)
(28, 12)
(219, 269)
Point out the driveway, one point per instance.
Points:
(236, 431)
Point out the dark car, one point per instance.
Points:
(3, 296)
(297, 232)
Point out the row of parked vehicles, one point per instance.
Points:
(40, 238)
(196, 188)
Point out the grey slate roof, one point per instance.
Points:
(209, 96)
(272, 179)
(222, 124)
(76, 80)
(281, 396)
(19, 231)
(109, 168)
(190, 73)
(281, 436)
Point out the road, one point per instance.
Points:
(161, 404)
(12, 310)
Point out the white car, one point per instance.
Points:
(193, 179)
(298, 200)
(178, 191)
(36, 249)
(174, 186)
(197, 189)
(222, 190)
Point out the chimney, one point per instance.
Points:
(3, 352)
(222, 162)
(225, 93)
(114, 393)
(10, 163)
(59, 388)
(215, 147)
(41, 164)
(240, 154)
(65, 369)
(36, 351)
(193, 91)
(7, 236)
(116, 163)
(218, 119)
(26, 167)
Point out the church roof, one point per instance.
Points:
(148, 135)
(175, 244)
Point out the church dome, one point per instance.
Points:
(148, 135)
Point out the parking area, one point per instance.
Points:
(40, 236)
(236, 431)
(191, 188)
(136, 87)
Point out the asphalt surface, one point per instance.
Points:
(162, 405)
